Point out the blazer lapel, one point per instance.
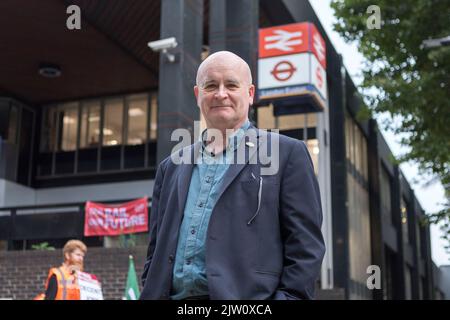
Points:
(235, 169)
(184, 178)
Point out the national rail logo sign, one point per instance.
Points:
(282, 40)
(292, 61)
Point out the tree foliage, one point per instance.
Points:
(406, 80)
(42, 246)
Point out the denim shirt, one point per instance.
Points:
(189, 274)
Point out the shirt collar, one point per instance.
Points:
(233, 140)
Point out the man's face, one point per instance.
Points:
(224, 93)
(75, 259)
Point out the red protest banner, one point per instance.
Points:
(112, 220)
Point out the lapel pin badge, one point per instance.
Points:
(250, 144)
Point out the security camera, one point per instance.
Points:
(163, 44)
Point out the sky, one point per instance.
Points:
(429, 195)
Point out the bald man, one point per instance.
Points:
(242, 218)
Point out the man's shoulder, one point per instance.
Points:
(54, 271)
(180, 156)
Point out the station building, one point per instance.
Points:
(86, 115)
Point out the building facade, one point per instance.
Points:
(87, 115)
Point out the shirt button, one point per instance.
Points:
(208, 179)
(188, 262)
(171, 258)
(200, 204)
(193, 231)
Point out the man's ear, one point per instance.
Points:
(251, 93)
(196, 91)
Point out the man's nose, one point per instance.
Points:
(221, 92)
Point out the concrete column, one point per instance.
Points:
(234, 27)
(177, 107)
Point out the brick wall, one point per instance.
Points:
(23, 273)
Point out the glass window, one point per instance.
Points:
(266, 120)
(359, 229)
(154, 117)
(420, 289)
(423, 242)
(90, 123)
(388, 292)
(12, 128)
(347, 137)
(311, 120)
(350, 141)
(408, 283)
(137, 119)
(313, 148)
(292, 121)
(68, 118)
(424, 288)
(385, 186)
(49, 130)
(112, 128)
(418, 240)
(404, 220)
(357, 147)
(361, 142)
(365, 165)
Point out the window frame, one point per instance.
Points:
(55, 147)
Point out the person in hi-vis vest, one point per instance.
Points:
(62, 282)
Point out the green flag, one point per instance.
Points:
(132, 288)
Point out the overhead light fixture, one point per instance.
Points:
(49, 70)
(94, 119)
(112, 142)
(135, 141)
(135, 112)
(106, 132)
(68, 120)
(315, 150)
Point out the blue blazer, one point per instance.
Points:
(264, 237)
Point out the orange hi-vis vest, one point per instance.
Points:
(68, 288)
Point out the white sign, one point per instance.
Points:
(318, 76)
(292, 70)
(90, 287)
(283, 71)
